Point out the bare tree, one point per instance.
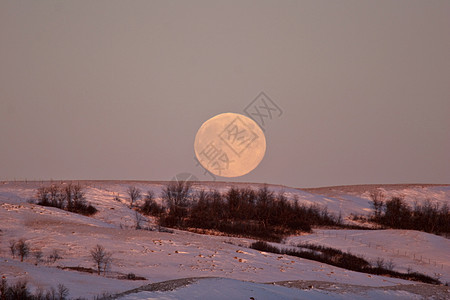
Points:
(37, 257)
(54, 256)
(134, 193)
(63, 292)
(39, 293)
(390, 265)
(3, 287)
(51, 294)
(68, 194)
(379, 263)
(107, 261)
(139, 219)
(176, 196)
(23, 249)
(377, 198)
(101, 258)
(12, 248)
(150, 207)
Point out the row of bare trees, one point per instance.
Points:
(427, 216)
(70, 197)
(346, 260)
(22, 249)
(243, 211)
(98, 254)
(20, 290)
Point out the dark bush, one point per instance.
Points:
(177, 197)
(341, 259)
(150, 207)
(264, 246)
(22, 248)
(20, 290)
(132, 276)
(134, 193)
(428, 216)
(69, 197)
(245, 212)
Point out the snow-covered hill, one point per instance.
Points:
(161, 256)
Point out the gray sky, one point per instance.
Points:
(118, 89)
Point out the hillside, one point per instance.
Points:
(236, 269)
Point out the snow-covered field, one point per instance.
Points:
(407, 249)
(232, 269)
(224, 289)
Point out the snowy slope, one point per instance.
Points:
(339, 199)
(418, 251)
(159, 256)
(356, 199)
(220, 288)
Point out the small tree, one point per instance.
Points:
(134, 193)
(51, 294)
(379, 263)
(390, 265)
(150, 207)
(69, 195)
(397, 213)
(23, 249)
(139, 219)
(19, 290)
(101, 258)
(107, 261)
(12, 248)
(3, 287)
(377, 198)
(176, 196)
(63, 292)
(54, 256)
(37, 257)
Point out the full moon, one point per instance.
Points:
(230, 145)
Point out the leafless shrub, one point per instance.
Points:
(390, 265)
(150, 207)
(101, 258)
(23, 249)
(377, 198)
(134, 193)
(37, 254)
(12, 248)
(54, 256)
(20, 290)
(70, 197)
(62, 292)
(379, 263)
(139, 219)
